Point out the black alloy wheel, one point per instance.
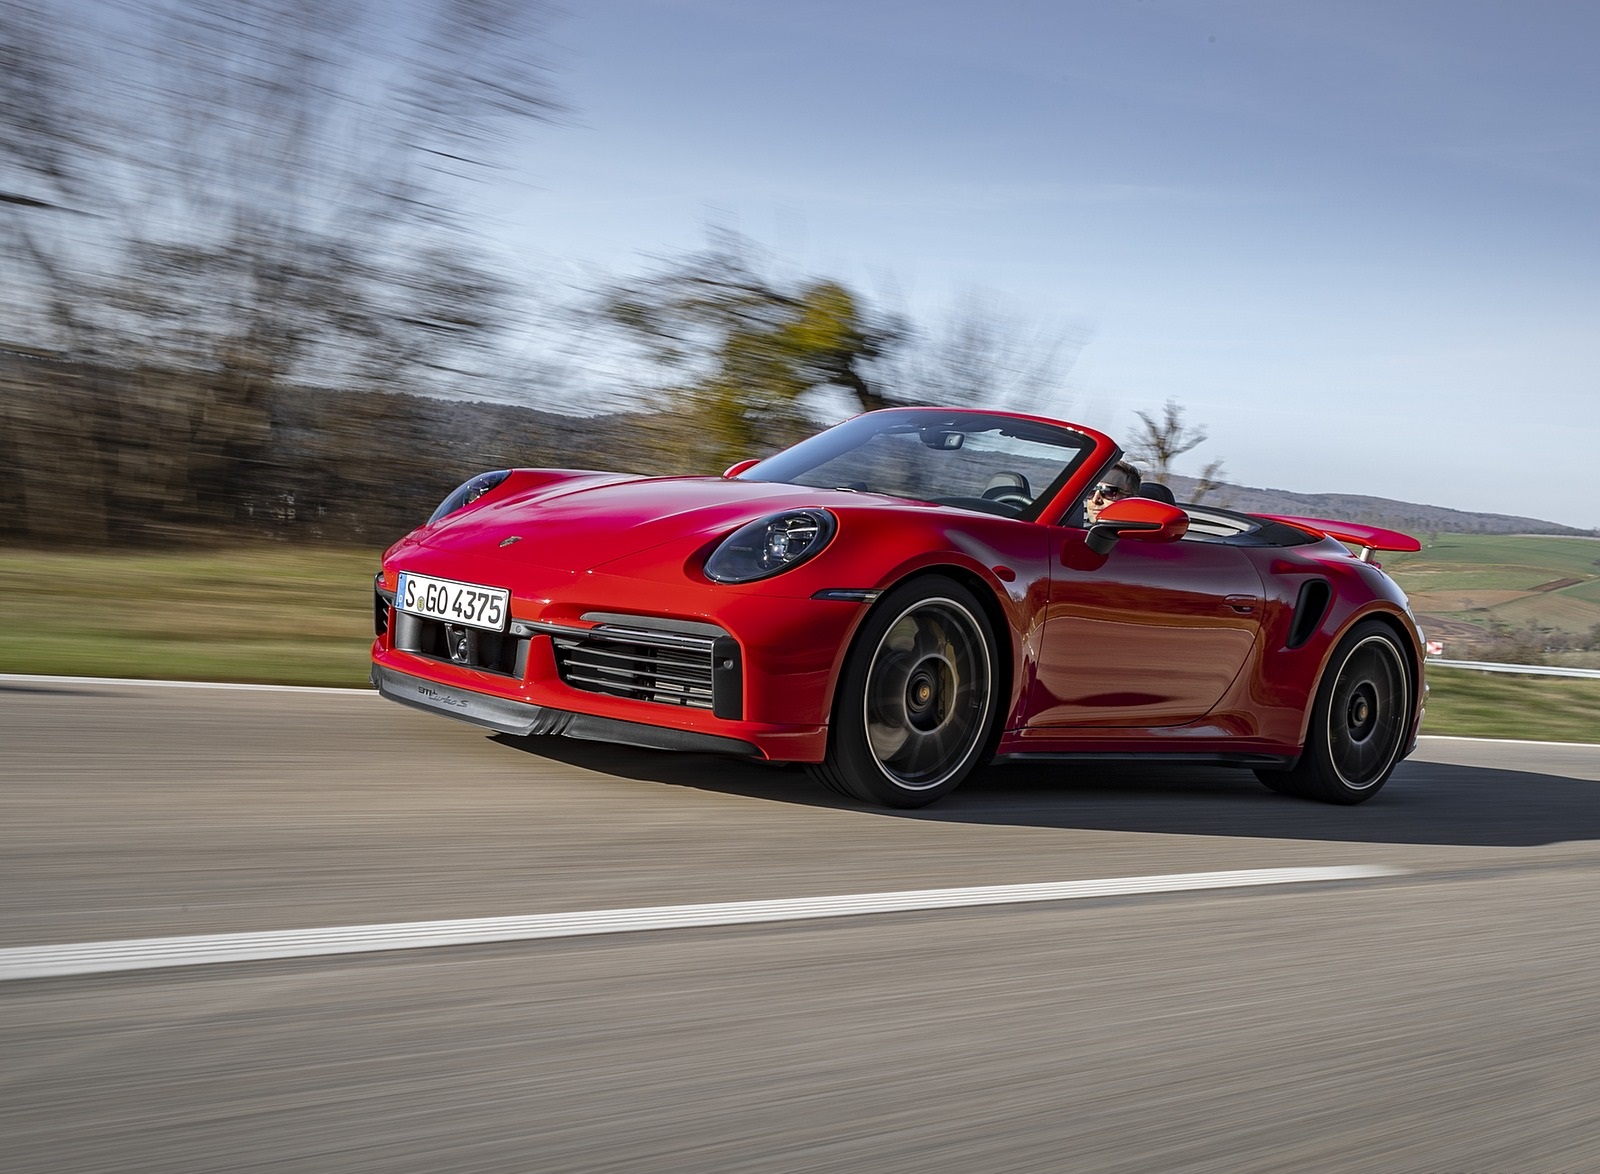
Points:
(916, 701)
(1359, 723)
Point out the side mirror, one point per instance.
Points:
(1138, 518)
(735, 470)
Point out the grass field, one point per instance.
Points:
(1503, 705)
(1499, 562)
(1516, 560)
(277, 615)
(297, 616)
(1464, 586)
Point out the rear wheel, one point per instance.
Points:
(916, 699)
(1358, 724)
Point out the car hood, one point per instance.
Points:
(585, 523)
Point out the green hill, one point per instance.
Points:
(1523, 597)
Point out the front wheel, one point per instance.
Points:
(916, 699)
(1358, 724)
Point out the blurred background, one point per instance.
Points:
(251, 287)
(277, 274)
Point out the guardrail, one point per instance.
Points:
(1535, 670)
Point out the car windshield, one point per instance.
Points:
(972, 460)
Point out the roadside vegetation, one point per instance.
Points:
(1476, 704)
(283, 615)
(269, 614)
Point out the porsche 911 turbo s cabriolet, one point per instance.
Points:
(900, 599)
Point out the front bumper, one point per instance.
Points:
(505, 716)
(753, 677)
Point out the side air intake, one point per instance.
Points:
(1309, 609)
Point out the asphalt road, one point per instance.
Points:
(1440, 1019)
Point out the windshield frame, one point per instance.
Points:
(1081, 450)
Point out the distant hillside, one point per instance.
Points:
(1523, 598)
(1405, 516)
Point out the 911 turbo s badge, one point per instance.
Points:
(441, 698)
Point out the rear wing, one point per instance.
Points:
(1368, 538)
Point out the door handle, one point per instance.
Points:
(1244, 605)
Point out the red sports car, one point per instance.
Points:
(900, 599)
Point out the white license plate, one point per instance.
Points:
(452, 602)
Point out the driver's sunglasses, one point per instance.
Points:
(1109, 492)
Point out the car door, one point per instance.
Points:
(1152, 634)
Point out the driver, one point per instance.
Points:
(1121, 481)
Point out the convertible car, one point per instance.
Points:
(899, 600)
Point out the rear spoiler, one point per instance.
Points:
(1368, 538)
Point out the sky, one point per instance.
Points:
(1358, 242)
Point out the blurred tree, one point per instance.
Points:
(982, 354)
(1162, 440)
(736, 352)
(43, 139)
(226, 196)
(741, 360)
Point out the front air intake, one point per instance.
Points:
(665, 668)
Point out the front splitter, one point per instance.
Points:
(521, 719)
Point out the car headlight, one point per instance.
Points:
(771, 545)
(468, 492)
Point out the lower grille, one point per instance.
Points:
(490, 652)
(666, 668)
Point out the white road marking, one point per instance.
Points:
(208, 949)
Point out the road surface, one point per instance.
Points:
(1433, 1012)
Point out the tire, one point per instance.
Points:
(917, 697)
(1358, 724)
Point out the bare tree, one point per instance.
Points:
(45, 133)
(218, 197)
(1209, 481)
(1160, 441)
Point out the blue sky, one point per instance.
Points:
(1359, 242)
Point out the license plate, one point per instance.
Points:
(452, 602)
